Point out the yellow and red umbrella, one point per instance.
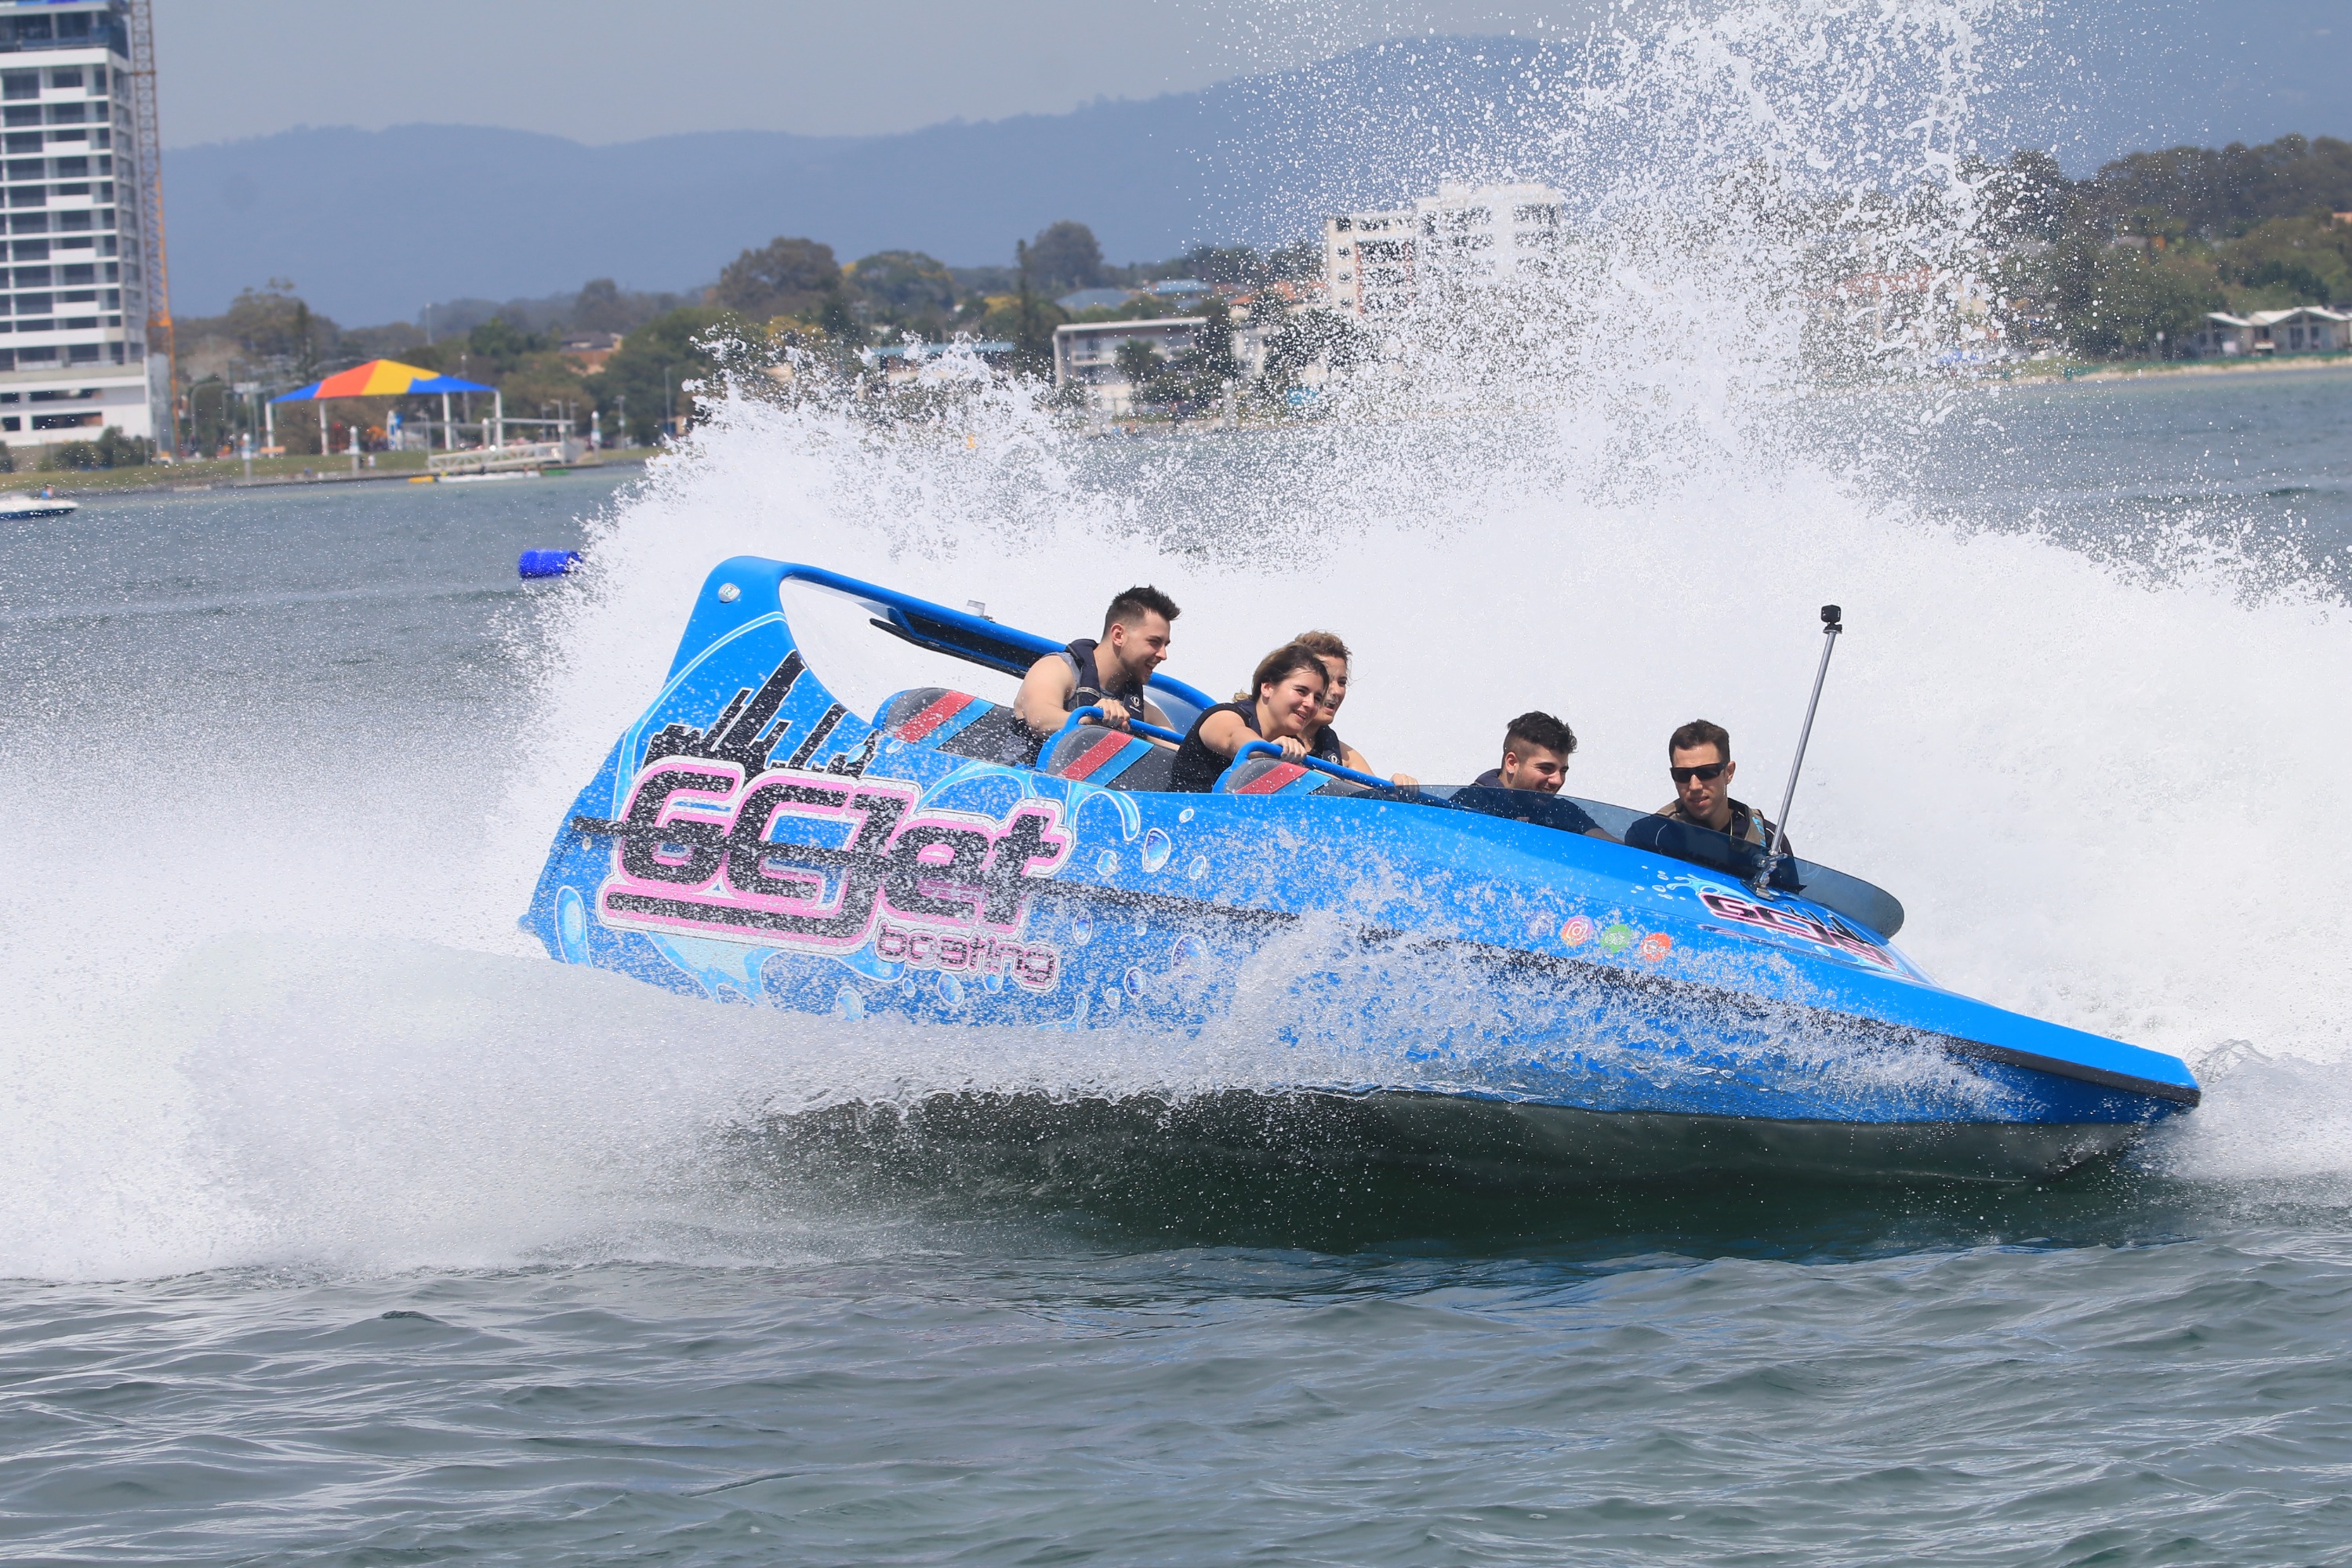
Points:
(379, 378)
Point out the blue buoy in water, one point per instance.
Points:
(547, 563)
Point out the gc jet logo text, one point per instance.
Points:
(815, 862)
(1789, 922)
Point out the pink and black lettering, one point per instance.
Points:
(695, 855)
(1789, 922)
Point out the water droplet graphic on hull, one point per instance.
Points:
(1157, 848)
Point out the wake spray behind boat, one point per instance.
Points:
(1486, 983)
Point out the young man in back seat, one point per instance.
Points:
(1108, 672)
(1536, 749)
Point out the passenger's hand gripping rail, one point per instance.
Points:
(1268, 749)
(1078, 716)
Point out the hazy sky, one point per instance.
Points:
(620, 70)
(616, 70)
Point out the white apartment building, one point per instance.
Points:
(1387, 261)
(1368, 260)
(73, 322)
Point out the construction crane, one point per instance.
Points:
(150, 139)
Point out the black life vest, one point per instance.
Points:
(1197, 768)
(1089, 691)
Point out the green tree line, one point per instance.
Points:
(2153, 241)
(792, 289)
(2146, 245)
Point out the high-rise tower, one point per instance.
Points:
(83, 254)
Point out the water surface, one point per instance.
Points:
(341, 1227)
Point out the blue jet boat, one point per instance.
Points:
(1489, 982)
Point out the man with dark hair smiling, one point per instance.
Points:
(1108, 673)
(1536, 748)
(1699, 757)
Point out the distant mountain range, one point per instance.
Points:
(371, 224)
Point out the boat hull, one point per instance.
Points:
(1473, 1143)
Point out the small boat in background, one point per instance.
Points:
(25, 508)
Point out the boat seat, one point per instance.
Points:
(1110, 758)
(959, 724)
(1263, 775)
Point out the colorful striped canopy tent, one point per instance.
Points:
(379, 378)
(390, 378)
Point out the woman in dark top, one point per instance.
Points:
(1287, 710)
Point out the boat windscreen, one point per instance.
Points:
(1873, 906)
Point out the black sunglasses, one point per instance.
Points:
(1708, 771)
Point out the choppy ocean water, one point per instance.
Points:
(338, 1227)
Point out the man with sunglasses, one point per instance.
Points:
(1699, 759)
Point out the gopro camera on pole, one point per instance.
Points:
(1832, 623)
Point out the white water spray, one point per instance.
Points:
(1618, 495)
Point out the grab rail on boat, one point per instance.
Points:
(1268, 749)
(1078, 716)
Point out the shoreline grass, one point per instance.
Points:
(268, 473)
